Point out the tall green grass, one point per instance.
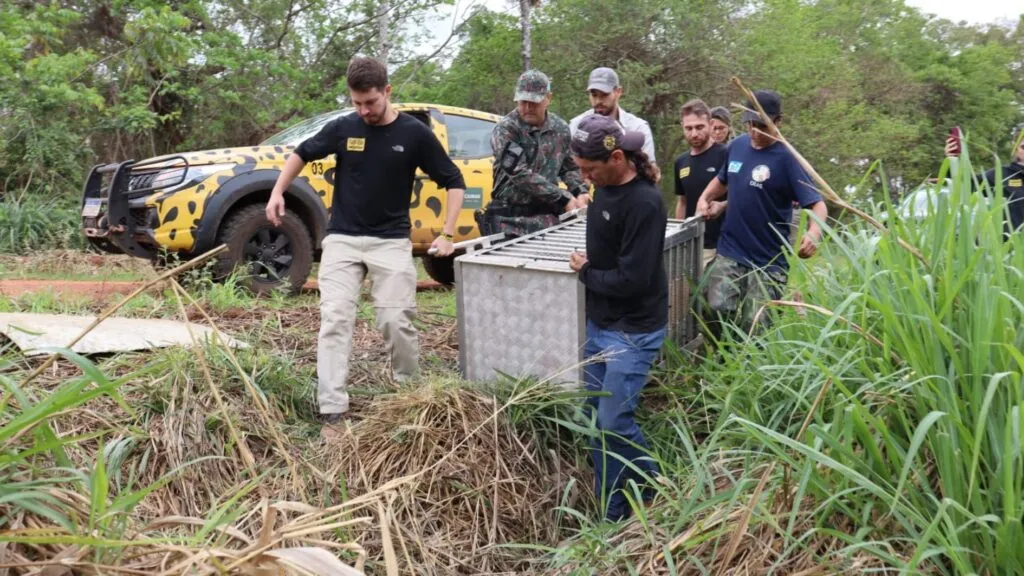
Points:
(919, 441)
(35, 225)
(913, 457)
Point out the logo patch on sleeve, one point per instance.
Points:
(1016, 183)
(735, 166)
(684, 172)
(355, 144)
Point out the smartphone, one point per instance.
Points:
(955, 134)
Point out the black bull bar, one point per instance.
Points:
(107, 219)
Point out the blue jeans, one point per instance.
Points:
(621, 376)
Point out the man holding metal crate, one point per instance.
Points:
(695, 168)
(626, 301)
(763, 180)
(531, 153)
(378, 150)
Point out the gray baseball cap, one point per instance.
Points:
(603, 79)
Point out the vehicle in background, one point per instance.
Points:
(186, 204)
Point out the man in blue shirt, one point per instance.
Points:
(763, 180)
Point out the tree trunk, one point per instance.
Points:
(383, 30)
(525, 6)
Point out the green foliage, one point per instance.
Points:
(32, 225)
(95, 81)
(82, 83)
(860, 81)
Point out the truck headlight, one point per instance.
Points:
(193, 175)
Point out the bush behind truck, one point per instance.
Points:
(186, 204)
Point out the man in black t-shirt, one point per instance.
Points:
(378, 150)
(697, 167)
(627, 299)
(1012, 179)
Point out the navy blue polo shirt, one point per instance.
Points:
(763, 184)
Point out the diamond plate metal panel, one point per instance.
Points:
(520, 322)
(521, 309)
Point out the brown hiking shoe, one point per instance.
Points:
(334, 426)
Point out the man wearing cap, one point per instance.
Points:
(721, 124)
(763, 180)
(626, 301)
(604, 91)
(531, 153)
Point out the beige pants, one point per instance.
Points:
(344, 263)
(709, 254)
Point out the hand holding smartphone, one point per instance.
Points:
(953, 146)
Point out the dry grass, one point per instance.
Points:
(435, 473)
(660, 543)
(482, 484)
(68, 264)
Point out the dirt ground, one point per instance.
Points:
(101, 289)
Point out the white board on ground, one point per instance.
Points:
(33, 333)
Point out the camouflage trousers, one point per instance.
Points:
(513, 226)
(736, 292)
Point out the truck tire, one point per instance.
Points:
(440, 269)
(273, 258)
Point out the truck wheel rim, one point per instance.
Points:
(269, 254)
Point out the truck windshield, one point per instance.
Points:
(294, 135)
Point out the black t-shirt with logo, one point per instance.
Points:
(693, 173)
(1013, 192)
(626, 285)
(375, 170)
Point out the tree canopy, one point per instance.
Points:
(85, 81)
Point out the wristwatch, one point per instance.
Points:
(447, 236)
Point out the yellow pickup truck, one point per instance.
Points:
(188, 203)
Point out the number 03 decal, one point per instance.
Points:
(317, 168)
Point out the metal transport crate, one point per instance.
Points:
(521, 309)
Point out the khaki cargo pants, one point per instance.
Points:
(708, 256)
(344, 262)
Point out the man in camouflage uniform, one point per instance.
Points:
(531, 153)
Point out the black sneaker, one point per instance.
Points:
(334, 426)
(335, 418)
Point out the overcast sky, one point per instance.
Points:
(972, 11)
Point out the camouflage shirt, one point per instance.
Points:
(539, 157)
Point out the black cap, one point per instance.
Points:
(598, 135)
(721, 113)
(769, 100)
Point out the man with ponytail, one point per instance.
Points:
(626, 301)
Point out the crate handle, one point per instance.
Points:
(471, 245)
